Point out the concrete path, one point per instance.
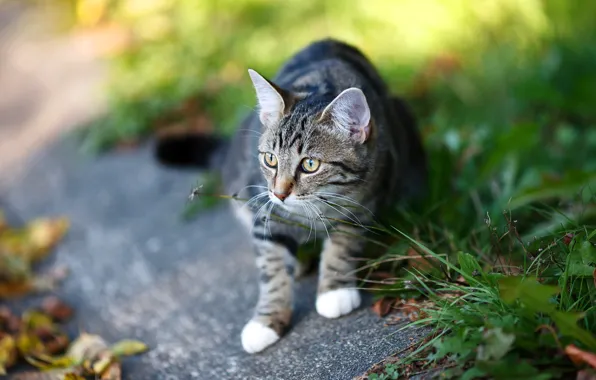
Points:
(186, 289)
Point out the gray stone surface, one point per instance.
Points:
(139, 271)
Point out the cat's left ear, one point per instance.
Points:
(349, 111)
(273, 101)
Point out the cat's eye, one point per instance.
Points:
(310, 165)
(270, 160)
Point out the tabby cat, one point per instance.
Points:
(326, 150)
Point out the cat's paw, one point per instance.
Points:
(256, 337)
(335, 303)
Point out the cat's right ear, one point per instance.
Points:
(272, 99)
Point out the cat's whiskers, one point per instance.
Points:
(255, 198)
(256, 218)
(257, 133)
(268, 218)
(319, 214)
(307, 216)
(344, 198)
(353, 219)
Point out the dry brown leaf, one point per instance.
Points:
(579, 356)
(20, 248)
(381, 275)
(586, 375)
(73, 376)
(58, 374)
(15, 289)
(57, 309)
(382, 306)
(417, 261)
(3, 222)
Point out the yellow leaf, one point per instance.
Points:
(101, 364)
(44, 234)
(29, 344)
(46, 362)
(113, 372)
(128, 347)
(8, 353)
(86, 346)
(35, 319)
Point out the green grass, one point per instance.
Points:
(507, 111)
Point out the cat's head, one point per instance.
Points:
(313, 147)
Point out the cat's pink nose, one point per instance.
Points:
(281, 196)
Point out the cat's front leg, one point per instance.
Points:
(337, 294)
(275, 262)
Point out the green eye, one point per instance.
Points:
(310, 165)
(270, 160)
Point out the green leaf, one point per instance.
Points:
(566, 322)
(460, 344)
(533, 295)
(579, 269)
(588, 253)
(128, 347)
(512, 369)
(549, 189)
(473, 373)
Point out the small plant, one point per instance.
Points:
(390, 373)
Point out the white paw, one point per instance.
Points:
(256, 337)
(335, 303)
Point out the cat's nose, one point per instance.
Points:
(281, 196)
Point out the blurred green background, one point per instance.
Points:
(504, 89)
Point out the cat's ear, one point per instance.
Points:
(349, 111)
(273, 101)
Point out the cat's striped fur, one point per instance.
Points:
(328, 104)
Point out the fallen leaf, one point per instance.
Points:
(102, 363)
(3, 222)
(86, 346)
(382, 306)
(57, 309)
(579, 356)
(420, 262)
(113, 372)
(46, 362)
(48, 375)
(34, 319)
(8, 352)
(586, 374)
(29, 344)
(128, 347)
(73, 376)
(44, 234)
